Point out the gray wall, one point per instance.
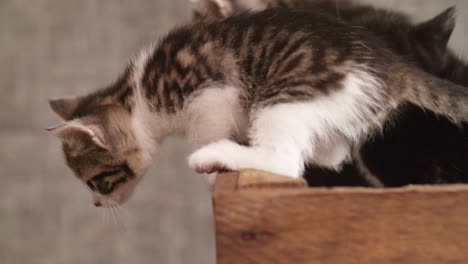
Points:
(55, 47)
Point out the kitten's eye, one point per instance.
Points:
(91, 185)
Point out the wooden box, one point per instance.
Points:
(263, 218)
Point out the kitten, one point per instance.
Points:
(410, 150)
(418, 147)
(297, 91)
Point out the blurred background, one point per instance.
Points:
(53, 47)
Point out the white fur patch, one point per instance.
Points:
(324, 129)
(215, 114)
(141, 117)
(284, 136)
(141, 114)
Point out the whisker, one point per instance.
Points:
(113, 215)
(117, 214)
(117, 209)
(122, 218)
(106, 216)
(114, 210)
(125, 214)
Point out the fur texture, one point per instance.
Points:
(417, 146)
(289, 92)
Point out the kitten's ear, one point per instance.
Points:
(440, 28)
(64, 107)
(213, 8)
(76, 132)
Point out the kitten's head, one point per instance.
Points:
(100, 147)
(428, 41)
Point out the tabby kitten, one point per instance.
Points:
(297, 91)
(417, 148)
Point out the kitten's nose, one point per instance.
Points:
(97, 204)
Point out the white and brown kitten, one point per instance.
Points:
(418, 147)
(256, 90)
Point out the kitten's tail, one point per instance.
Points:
(438, 95)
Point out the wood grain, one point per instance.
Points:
(293, 224)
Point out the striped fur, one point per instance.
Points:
(400, 155)
(282, 88)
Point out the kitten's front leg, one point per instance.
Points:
(227, 155)
(278, 142)
(223, 155)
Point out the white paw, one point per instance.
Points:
(212, 158)
(227, 155)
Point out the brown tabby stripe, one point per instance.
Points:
(268, 52)
(269, 55)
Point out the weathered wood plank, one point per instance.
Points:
(293, 224)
